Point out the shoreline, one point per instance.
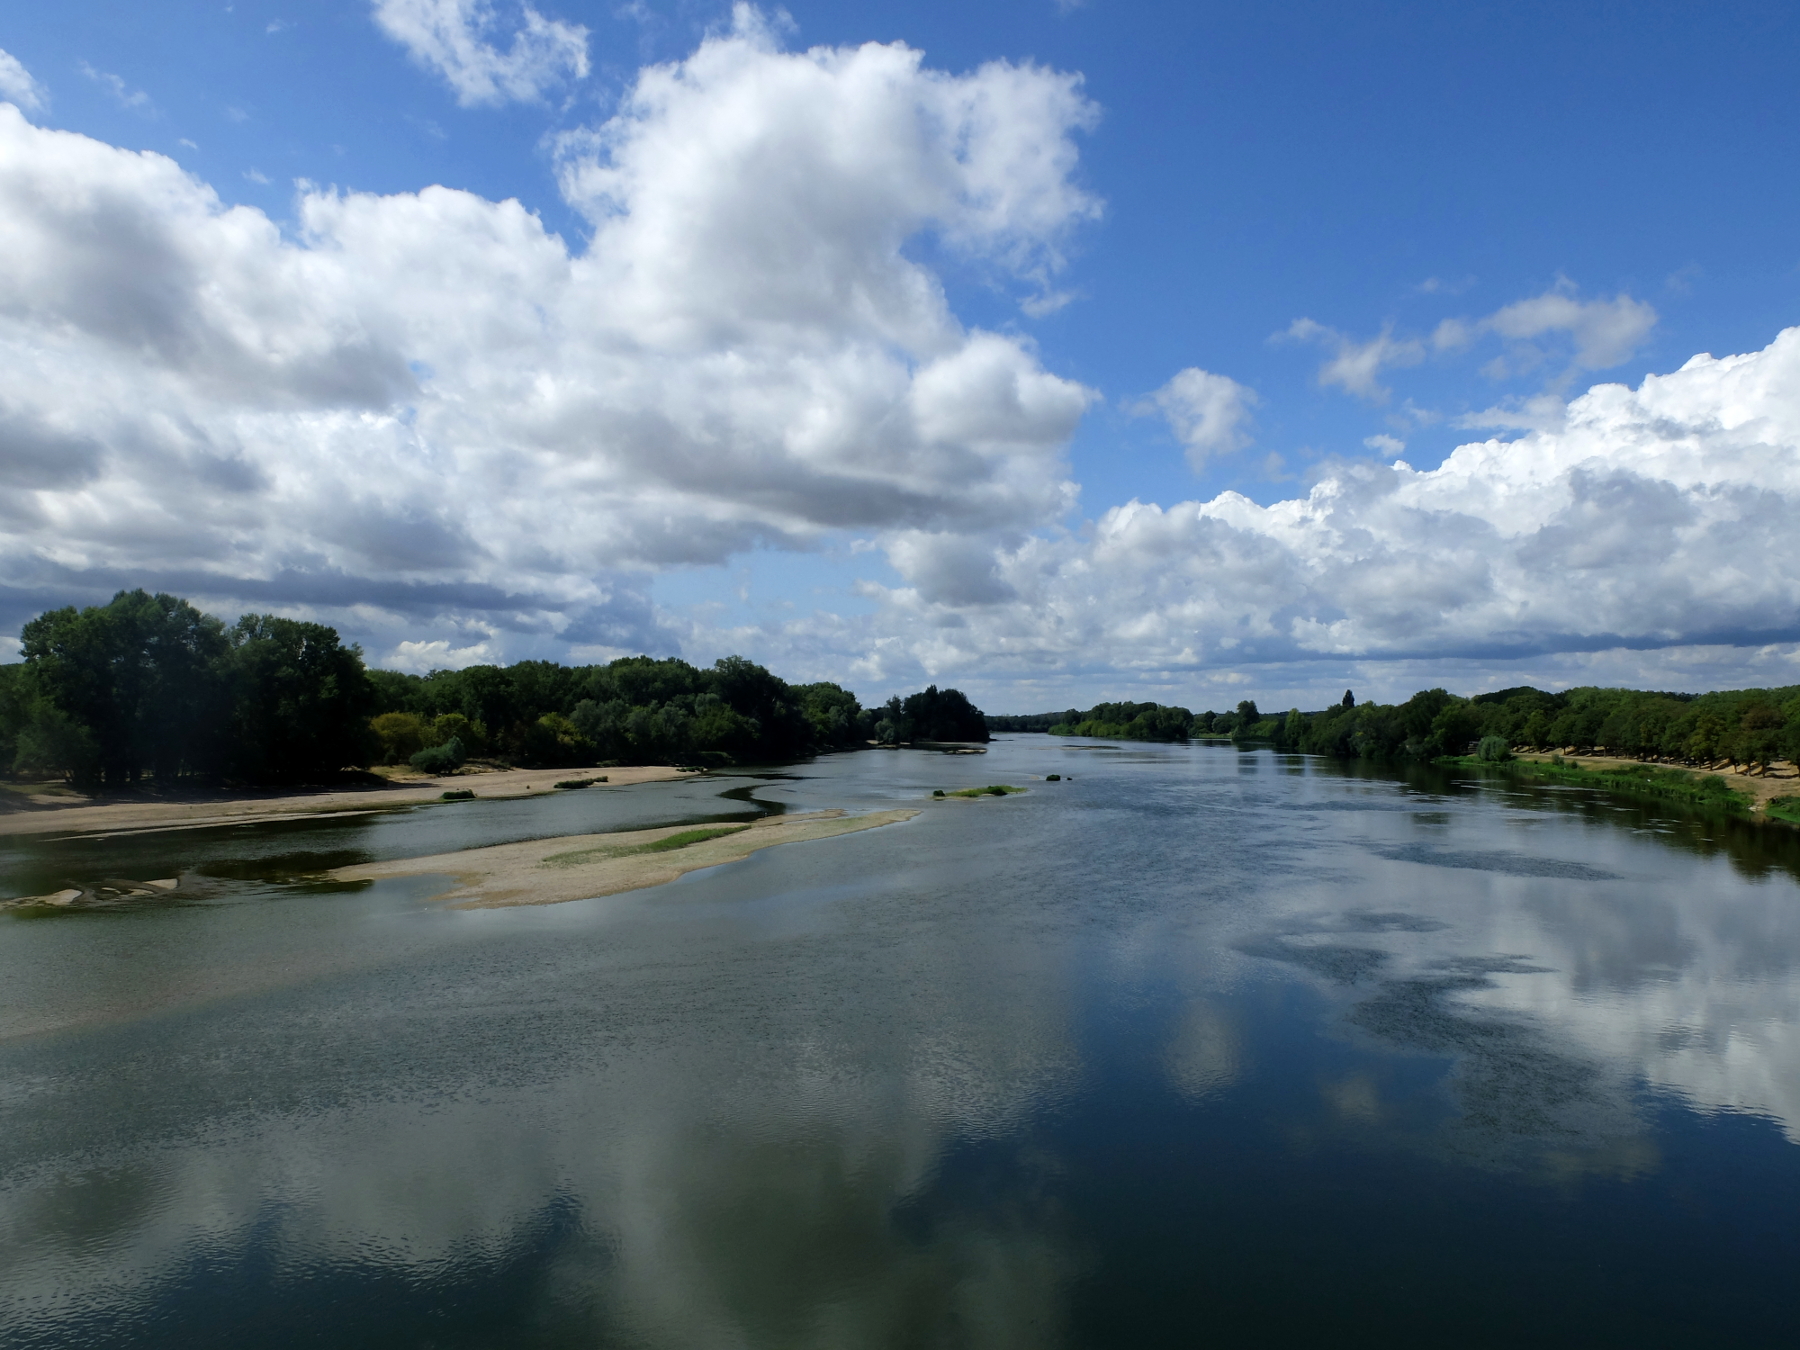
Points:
(84, 816)
(1751, 798)
(589, 866)
(1759, 788)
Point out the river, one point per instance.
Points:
(1197, 1046)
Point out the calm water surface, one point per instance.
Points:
(1200, 1047)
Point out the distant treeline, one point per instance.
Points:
(1744, 726)
(1128, 722)
(148, 686)
(1117, 721)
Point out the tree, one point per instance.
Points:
(832, 712)
(301, 701)
(144, 674)
(52, 742)
(781, 728)
(1349, 700)
(399, 736)
(942, 715)
(19, 699)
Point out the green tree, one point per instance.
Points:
(398, 736)
(143, 674)
(832, 712)
(52, 742)
(936, 714)
(301, 701)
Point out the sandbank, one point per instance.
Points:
(585, 866)
(53, 812)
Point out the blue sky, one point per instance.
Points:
(1522, 200)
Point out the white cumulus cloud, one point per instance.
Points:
(1652, 518)
(425, 408)
(18, 86)
(456, 39)
(1209, 414)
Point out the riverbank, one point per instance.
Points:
(1758, 796)
(586, 866)
(57, 810)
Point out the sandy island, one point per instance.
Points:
(585, 866)
(66, 812)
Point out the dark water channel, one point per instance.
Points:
(1199, 1047)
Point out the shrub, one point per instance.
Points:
(1493, 750)
(459, 795)
(1053, 778)
(400, 736)
(52, 742)
(554, 741)
(937, 792)
(439, 759)
(454, 726)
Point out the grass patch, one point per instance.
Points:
(1784, 808)
(681, 839)
(573, 783)
(458, 795)
(992, 790)
(1640, 780)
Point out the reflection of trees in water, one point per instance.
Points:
(1754, 849)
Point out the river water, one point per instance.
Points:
(1198, 1046)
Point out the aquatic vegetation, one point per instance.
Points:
(667, 844)
(1784, 808)
(992, 790)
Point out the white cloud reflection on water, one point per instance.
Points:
(1610, 939)
(736, 1182)
(744, 1090)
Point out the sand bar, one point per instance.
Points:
(46, 814)
(585, 866)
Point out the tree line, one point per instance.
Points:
(1128, 722)
(1743, 726)
(149, 687)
